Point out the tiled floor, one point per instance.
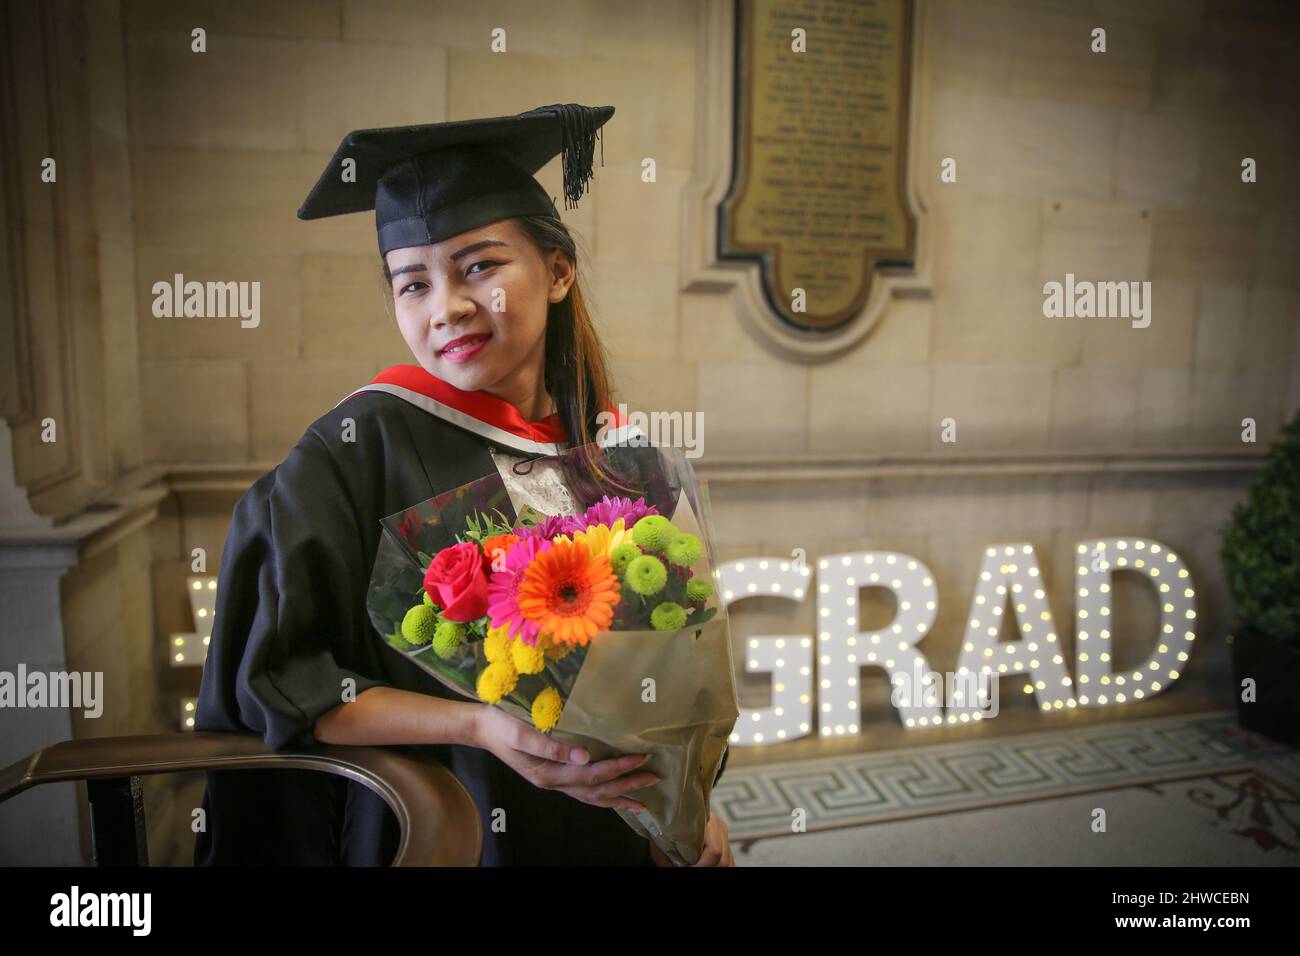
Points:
(1187, 790)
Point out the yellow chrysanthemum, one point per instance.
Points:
(527, 658)
(547, 707)
(496, 646)
(603, 538)
(496, 680)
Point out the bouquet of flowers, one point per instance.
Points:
(600, 628)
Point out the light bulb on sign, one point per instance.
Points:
(1013, 568)
(788, 658)
(840, 644)
(1096, 561)
(191, 649)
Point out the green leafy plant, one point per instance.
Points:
(1261, 545)
(480, 526)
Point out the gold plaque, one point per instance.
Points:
(818, 192)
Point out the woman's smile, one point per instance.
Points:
(465, 347)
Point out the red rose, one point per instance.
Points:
(455, 580)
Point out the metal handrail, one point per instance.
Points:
(439, 822)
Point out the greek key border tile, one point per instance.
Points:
(940, 778)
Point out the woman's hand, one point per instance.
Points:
(717, 846)
(549, 764)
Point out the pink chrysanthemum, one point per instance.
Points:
(554, 525)
(503, 589)
(608, 510)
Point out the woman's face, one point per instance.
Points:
(473, 308)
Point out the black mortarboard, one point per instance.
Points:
(428, 183)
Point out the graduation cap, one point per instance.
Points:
(431, 182)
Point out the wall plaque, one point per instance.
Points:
(818, 196)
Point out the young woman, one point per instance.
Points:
(486, 295)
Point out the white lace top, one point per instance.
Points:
(541, 485)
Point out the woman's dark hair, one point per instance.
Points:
(576, 370)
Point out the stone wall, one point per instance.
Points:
(1123, 166)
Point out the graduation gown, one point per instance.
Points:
(291, 623)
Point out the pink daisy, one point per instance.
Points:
(503, 589)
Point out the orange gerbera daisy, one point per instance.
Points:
(569, 592)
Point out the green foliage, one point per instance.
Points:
(700, 617)
(390, 607)
(1261, 544)
(479, 526)
(530, 516)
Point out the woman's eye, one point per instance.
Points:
(486, 263)
(407, 288)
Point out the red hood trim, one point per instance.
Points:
(489, 409)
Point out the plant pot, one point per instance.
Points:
(1275, 667)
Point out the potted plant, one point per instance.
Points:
(1261, 562)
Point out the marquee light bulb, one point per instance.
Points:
(1172, 607)
(787, 657)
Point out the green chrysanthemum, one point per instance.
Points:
(447, 638)
(685, 549)
(668, 617)
(418, 624)
(622, 556)
(428, 601)
(646, 575)
(653, 532)
(698, 589)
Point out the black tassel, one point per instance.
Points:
(579, 132)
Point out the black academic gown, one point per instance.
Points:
(291, 624)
